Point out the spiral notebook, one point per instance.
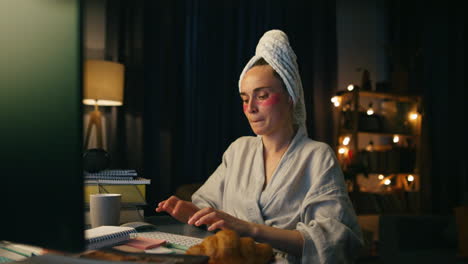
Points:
(105, 236)
(112, 173)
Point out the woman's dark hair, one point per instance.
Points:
(262, 62)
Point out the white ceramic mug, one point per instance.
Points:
(104, 209)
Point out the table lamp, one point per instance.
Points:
(103, 85)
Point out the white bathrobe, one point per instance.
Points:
(306, 193)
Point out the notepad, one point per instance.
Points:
(145, 243)
(104, 236)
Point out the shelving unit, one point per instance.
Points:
(379, 142)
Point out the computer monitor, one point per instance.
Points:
(41, 180)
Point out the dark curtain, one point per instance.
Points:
(444, 45)
(194, 54)
(124, 44)
(431, 43)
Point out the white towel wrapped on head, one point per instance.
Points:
(274, 48)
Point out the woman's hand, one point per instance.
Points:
(217, 219)
(179, 209)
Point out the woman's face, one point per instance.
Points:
(266, 103)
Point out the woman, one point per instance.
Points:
(281, 187)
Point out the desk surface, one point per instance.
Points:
(163, 223)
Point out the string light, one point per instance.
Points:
(350, 87)
(336, 101)
(396, 139)
(387, 182)
(381, 176)
(370, 146)
(346, 141)
(413, 116)
(342, 150)
(410, 178)
(370, 110)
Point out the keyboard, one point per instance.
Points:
(5, 260)
(181, 240)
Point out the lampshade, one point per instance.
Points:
(103, 83)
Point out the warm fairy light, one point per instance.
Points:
(350, 87)
(346, 141)
(342, 150)
(370, 110)
(413, 116)
(396, 139)
(387, 182)
(336, 101)
(381, 176)
(410, 178)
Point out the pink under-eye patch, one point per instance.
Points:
(272, 100)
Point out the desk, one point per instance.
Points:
(163, 223)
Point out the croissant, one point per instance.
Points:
(228, 248)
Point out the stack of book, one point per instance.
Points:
(114, 177)
(126, 182)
